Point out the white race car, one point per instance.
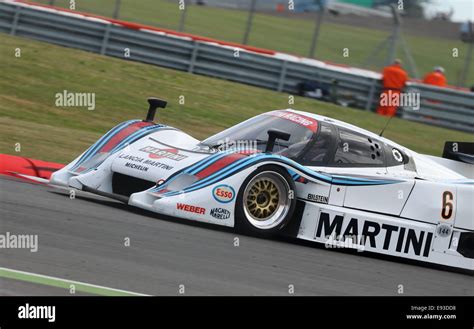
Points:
(294, 173)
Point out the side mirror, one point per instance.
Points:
(154, 104)
(274, 134)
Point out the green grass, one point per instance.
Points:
(284, 34)
(29, 116)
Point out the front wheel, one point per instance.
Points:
(266, 200)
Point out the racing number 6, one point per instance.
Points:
(447, 209)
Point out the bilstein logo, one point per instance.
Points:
(156, 153)
(223, 193)
(220, 213)
(317, 198)
(374, 235)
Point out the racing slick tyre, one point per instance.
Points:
(266, 201)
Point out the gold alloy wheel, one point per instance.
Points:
(266, 200)
(262, 198)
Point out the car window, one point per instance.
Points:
(355, 149)
(255, 131)
(316, 154)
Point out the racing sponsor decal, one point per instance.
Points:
(144, 164)
(318, 198)
(447, 206)
(443, 231)
(157, 153)
(136, 166)
(373, 234)
(223, 193)
(220, 213)
(190, 208)
(300, 119)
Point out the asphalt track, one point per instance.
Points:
(82, 239)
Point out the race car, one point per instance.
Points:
(292, 173)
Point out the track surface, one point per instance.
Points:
(82, 239)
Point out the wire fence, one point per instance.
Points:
(356, 88)
(298, 27)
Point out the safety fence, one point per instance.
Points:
(267, 69)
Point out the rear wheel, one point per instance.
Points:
(265, 203)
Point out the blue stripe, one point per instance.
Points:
(98, 145)
(104, 139)
(136, 135)
(139, 132)
(230, 169)
(205, 163)
(340, 180)
(205, 179)
(193, 169)
(211, 179)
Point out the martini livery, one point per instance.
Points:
(292, 173)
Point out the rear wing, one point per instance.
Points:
(459, 151)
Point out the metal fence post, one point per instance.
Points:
(116, 9)
(467, 63)
(317, 28)
(194, 53)
(182, 19)
(281, 80)
(105, 40)
(370, 98)
(253, 6)
(16, 18)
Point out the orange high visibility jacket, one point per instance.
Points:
(394, 77)
(435, 78)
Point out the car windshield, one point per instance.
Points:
(253, 133)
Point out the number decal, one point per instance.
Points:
(448, 207)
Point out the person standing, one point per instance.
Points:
(436, 77)
(394, 79)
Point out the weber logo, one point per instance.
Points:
(220, 213)
(37, 312)
(374, 235)
(189, 208)
(318, 198)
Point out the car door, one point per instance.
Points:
(358, 165)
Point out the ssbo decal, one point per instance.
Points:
(223, 193)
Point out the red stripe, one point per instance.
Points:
(219, 164)
(161, 192)
(124, 133)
